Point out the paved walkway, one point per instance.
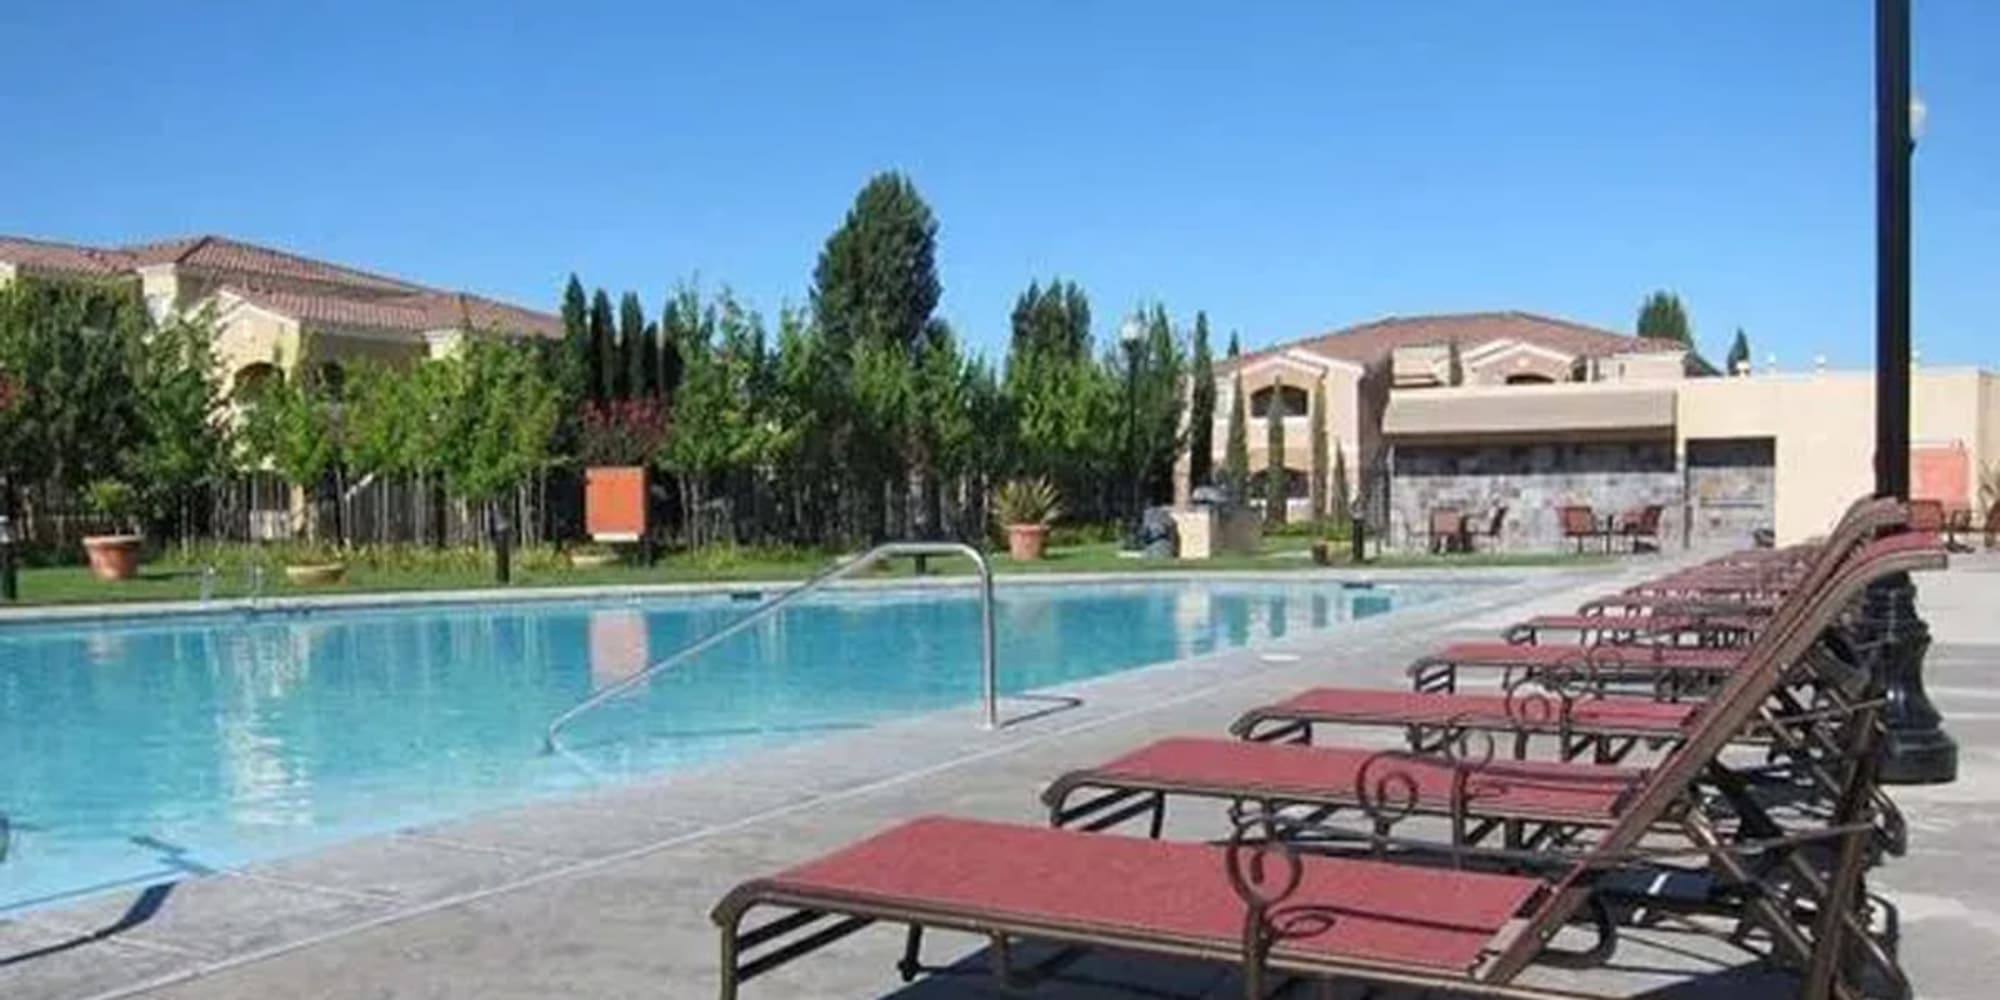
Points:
(607, 895)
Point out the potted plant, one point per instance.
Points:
(592, 556)
(114, 556)
(315, 566)
(1025, 507)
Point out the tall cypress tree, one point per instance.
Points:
(674, 327)
(1339, 499)
(636, 379)
(603, 347)
(1319, 471)
(1236, 453)
(1739, 354)
(1662, 317)
(1235, 346)
(1276, 478)
(579, 376)
(1201, 408)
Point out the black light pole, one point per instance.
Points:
(1132, 334)
(1916, 750)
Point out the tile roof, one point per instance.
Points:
(312, 291)
(1372, 343)
(62, 258)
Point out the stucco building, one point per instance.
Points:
(1479, 411)
(282, 312)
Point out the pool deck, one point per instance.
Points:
(607, 894)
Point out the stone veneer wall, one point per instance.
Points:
(1532, 480)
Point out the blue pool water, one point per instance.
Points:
(135, 750)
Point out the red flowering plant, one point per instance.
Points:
(622, 431)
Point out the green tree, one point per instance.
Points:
(1276, 477)
(1160, 396)
(1201, 407)
(1739, 354)
(1662, 317)
(184, 444)
(1235, 346)
(578, 372)
(875, 287)
(604, 357)
(1339, 500)
(1236, 452)
(500, 413)
(1319, 456)
(294, 431)
(637, 378)
(69, 346)
(1061, 401)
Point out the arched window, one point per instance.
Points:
(1292, 401)
(251, 380)
(1529, 378)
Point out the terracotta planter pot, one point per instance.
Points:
(113, 557)
(315, 574)
(1025, 542)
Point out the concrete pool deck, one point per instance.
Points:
(607, 894)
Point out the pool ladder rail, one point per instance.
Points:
(989, 690)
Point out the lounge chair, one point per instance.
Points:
(1376, 922)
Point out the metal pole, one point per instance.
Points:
(1915, 748)
(989, 676)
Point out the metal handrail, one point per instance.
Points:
(988, 680)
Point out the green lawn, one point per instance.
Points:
(176, 581)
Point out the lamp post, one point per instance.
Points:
(1916, 749)
(1132, 333)
(10, 580)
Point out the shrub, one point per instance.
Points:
(1027, 501)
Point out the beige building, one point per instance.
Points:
(281, 312)
(1536, 413)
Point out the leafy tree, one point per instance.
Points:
(876, 279)
(1060, 400)
(1339, 500)
(1662, 317)
(579, 374)
(1160, 397)
(667, 374)
(500, 412)
(1319, 457)
(1739, 354)
(184, 442)
(604, 357)
(1236, 453)
(1276, 477)
(1235, 346)
(874, 289)
(1201, 407)
(295, 432)
(638, 368)
(69, 349)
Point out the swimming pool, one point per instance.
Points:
(136, 750)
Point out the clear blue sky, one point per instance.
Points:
(1289, 167)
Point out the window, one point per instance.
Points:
(1292, 401)
(1298, 485)
(251, 380)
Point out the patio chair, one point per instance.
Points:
(1643, 526)
(1261, 903)
(1927, 515)
(1992, 525)
(1580, 524)
(1490, 529)
(1535, 804)
(1447, 530)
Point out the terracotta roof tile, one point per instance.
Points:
(313, 291)
(62, 258)
(1372, 343)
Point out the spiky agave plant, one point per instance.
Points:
(1027, 501)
